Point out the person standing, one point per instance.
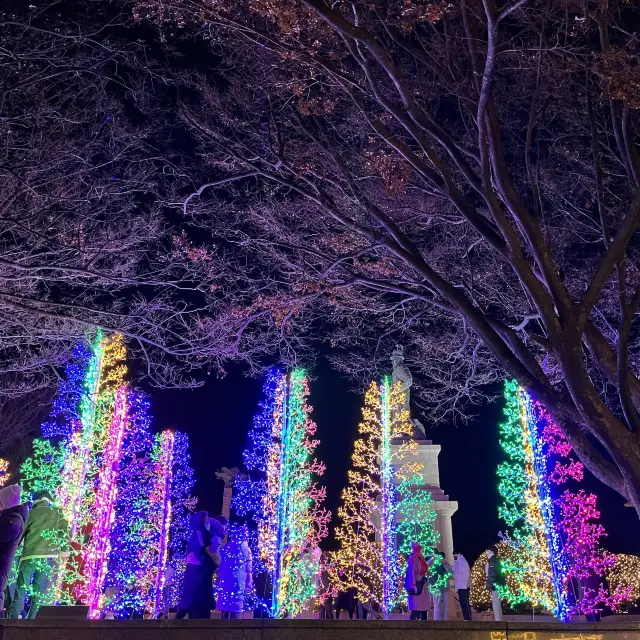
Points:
(234, 576)
(196, 599)
(217, 527)
(346, 600)
(461, 576)
(40, 554)
(415, 583)
(326, 589)
(439, 581)
(492, 570)
(13, 518)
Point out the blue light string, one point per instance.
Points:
(558, 559)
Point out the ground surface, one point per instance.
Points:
(309, 630)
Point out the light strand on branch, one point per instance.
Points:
(383, 501)
(555, 539)
(281, 494)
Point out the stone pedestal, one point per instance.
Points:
(228, 476)
(426, 454)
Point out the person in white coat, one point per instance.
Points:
(462, 577)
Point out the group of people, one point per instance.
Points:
(421, 583)
(208, 556)
(219, 562)
(40, 556)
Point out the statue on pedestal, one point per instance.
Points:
(400, 373)
(228, 476)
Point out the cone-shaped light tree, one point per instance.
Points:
(555, 533)
(383, 501)
(281, 494)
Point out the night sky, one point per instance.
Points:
(218, 415)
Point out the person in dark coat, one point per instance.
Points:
(492, 570)
(13, 518)
(40, 555)
(196, 599)
(346, 601)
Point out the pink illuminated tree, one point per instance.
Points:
(578, 522)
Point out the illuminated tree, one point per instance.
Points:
(88, 482)
(625, 575)
(281, 494)
(183, 503)
(521, 509)
(4, 471)
(555, 537)
(381, 488)
(152, 509)
(128, 539)
(170, 505)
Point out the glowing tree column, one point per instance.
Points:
(97, 553)
(388, 537)
(82, 475)
(128, 539)
(72, 492)
(4, 471)
(521, 509)
(170, 504)
(285, 502)
(161, 496)
(554, 537)
(380, 489)
(182, 506)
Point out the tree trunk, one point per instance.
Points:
(622, 445)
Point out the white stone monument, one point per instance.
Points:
(228, 476)
(426, 454)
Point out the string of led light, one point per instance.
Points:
(554, 543)
(281, 494)
(383, 502)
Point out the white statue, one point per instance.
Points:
(401, 373)
(227, 475)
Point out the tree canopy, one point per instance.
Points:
(84, 240)
(460, 177)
